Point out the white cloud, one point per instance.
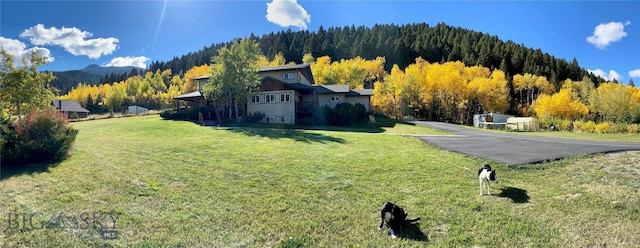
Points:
(129, 61)
(287, 13)
(604, 34)
(634, 73)
(19, 50)
(607, 76)
(72, 40)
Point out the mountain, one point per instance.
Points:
(100, 70)
(401, 45)
(91, 75)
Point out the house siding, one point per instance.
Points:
(325, 99)
(275, 109)
(364, 100)
(297, 76)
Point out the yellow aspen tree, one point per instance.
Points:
(561, 105)
(190, 85)
(528, 87)
(319, 68)
(616, 103)
(387, 95)
(417, 82)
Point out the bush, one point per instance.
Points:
(40, 137)
(360, 110)
(558, 123)
(305, 121)
(584, 127)
(633, 128)
(603, 127)
(254, 118)
(618, 128)
(168, 114)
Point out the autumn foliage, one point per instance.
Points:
(449, 91)
(43, 136)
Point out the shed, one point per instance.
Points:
(523, 124)
(491, 120)
(137, 110)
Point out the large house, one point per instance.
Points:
(287, 94)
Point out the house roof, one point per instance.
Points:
(361, 92)
(305, 69)
(332, 89)
(189, 95)
(68, 105)
(295, 86)
(201, 77)
(284, 67)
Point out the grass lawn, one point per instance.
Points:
(176, 184)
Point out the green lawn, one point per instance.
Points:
(177, 184)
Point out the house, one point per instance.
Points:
(287, 94)
(69, 108)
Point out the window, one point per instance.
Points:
(255, 99)
(335, 98)
(270, 119)
(285, 97)
(270, 98)
(287, 75)
(287, 119)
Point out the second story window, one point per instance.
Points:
(270, 98)
(287, 75)
(285, 97)
(255, 99)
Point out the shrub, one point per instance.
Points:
(603, 127)
(618, 128)
(305, 121)
(584, 127)
(168, 114)
(558, 123)
(254, 118)
(39, 137)
(360, 110)
(589, 127)
(565, 125)
(633, 128)
(345, 114)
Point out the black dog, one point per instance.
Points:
(394, 217)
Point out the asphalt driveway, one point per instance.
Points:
(513, 148)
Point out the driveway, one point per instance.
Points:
(513, 148)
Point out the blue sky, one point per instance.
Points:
(603, 36)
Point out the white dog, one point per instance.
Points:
(486, 175)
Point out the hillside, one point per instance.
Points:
(401, 45)
(91, 75)
(106, 70)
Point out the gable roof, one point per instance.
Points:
(68, 105)
(304, 69)
(189, 95)
(284, 67)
